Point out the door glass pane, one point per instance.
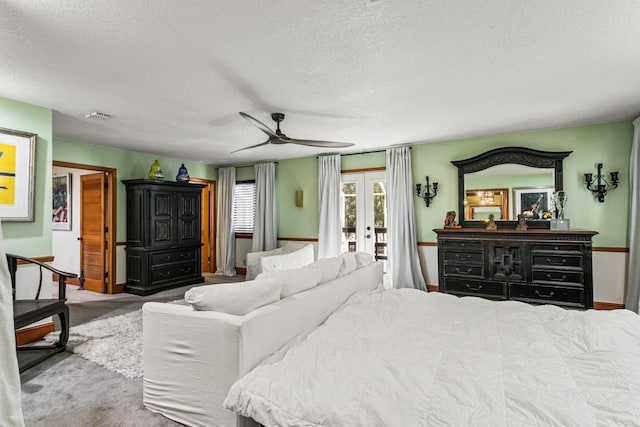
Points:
(349, 216)
(379, 195)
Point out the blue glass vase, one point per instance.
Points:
(183, 175)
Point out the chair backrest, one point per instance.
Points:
(12, 261)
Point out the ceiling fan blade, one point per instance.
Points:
(253, 146)
(264, 128)
(313, 143)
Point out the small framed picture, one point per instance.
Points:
(533, 202)
(61, 219)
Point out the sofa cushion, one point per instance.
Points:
(294, 280)
(349, 263)
(234, 298)
(329, 268)
(363, 259)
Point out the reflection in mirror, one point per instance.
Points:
(480, 203)
(522, 182)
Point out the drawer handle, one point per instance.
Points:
(183, 255)
(555, 279)
(471, 288)
(164, 275)
(165, 258)
(463, 256)
(564, 261)
(185, 270)
(549, 295)
(463, 272)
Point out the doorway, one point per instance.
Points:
(94, 232)
(208, 224)
(364, 213)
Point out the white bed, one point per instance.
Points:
(408, 358)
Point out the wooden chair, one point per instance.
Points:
(28, 311)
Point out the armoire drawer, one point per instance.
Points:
(557, 248)
(174, 271)
(547, 294)
(476, 287)
(174, 256)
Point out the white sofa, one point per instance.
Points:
(191, 358)
(291, 255)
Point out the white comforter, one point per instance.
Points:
(407, 358)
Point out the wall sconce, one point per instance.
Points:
(299, 199)
(427, 195)
(601, 185)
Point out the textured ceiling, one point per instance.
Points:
(175, 74)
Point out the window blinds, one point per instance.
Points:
(244, 207)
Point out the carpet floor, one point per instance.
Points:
(67, 390)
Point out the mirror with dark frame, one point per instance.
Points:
(506, 182)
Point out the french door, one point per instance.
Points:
(364, 213)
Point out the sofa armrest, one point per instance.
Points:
(253, 262)
(288, 260)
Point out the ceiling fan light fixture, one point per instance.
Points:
(97, 115)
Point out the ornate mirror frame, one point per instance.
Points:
(519, 155)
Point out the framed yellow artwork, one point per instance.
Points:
(17, 157)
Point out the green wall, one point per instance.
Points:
(609, 143)
(130, 165)
(31, 239)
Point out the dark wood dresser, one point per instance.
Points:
(534, 266)
(163, 235)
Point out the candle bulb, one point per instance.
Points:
(587, 178)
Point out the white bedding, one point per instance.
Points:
(407, 358)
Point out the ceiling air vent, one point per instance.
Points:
(97, 115)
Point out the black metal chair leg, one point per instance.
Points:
(64, 327)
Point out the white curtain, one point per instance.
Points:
(632, 301)
(10, 404)
(265, 221)
(402, 243)
(226, 239)
(330, 227)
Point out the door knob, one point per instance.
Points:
(80, 239)
(368, 236)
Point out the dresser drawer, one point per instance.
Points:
(476, 287)
(175, 256)
(557, 248)
(174, 271)
(550, 277)
(452, 257)
(464, 270)
(547, 294)
(466, 245)
(567, 261)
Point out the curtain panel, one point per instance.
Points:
(265, 222)
(402, 243)
(10, 403)
(632, 300)
(226, 239)
(330, 227)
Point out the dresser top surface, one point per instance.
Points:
(511, 232)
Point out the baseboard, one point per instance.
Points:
(74, 281)
(607, 305)
(242, 271)
(33, 333)
(118, 288)
(432, 288)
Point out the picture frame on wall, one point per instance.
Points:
(61, 193)
(17, 175)
(533, 202)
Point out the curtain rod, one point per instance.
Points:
(363, 152)
(244, 166)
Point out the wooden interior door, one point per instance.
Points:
(93, 204)
(204, 230)
(208, 224)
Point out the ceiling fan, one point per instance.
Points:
(278, 137)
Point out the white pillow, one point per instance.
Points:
(234, 298)
(349, 263)
(363, 259)
(329, 268)
(294, 280)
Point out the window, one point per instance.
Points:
(244, 206)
